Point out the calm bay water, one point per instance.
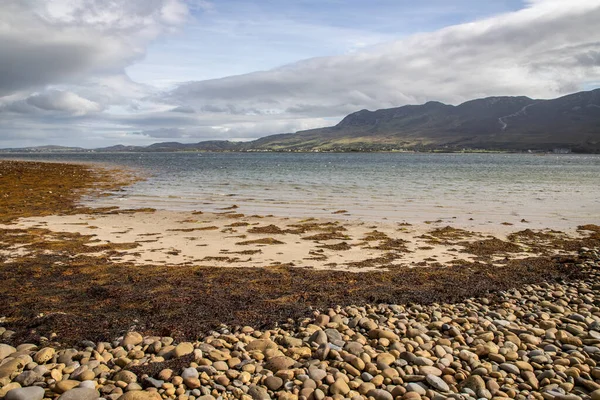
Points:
(370, 186)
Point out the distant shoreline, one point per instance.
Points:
(8, 151)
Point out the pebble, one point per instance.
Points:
(190, 373)
(132, 338)
(339, 387)
(541, 342)
(273, 382)
(379, 394)
(258, 393)
(183, 349)
(415, 387)
(6, 350)
(29, 393)
(140, 395)
(437, 383)
(80, 394)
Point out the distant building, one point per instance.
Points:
(561, 151)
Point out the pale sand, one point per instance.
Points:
(163, 242)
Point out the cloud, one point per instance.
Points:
(544, 50)
(58, 100)
(48, 43)
(183, 109)
(62, 75)
(164, 133)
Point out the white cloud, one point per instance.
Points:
(65, 41)
(58, 100)
(547, 49)
(64, 79)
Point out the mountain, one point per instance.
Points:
(568, 123)
(493, 123)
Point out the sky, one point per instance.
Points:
(95, 73)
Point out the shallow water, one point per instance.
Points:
(408, 187)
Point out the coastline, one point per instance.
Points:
(94, 274)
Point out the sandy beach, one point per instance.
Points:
(229, 239)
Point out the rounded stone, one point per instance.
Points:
(380, 394)
(132, 338)
(6, 350)
(28, 393)
(339, 387)
(183, 349)
(260, 345)
(415, 387)
(28, 378)
(192, 383)
(317, 374)
(87, 385)
(273, 382)
(428, 370)
(140, 395)
(64, 386)
(258, 393)
(80, 394)
(44, 355)
(437, 383)
(125, 376)
(276, 364)
(190, 373)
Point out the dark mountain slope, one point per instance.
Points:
(494, 123)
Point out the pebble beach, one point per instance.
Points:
(81, 320)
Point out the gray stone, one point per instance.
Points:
(258, 393)
(365, 376)
(151, 382)
(354, 348)
(190, 373)
(28, 393)
(87, 385)
(28, 378)
(415, 387)
(317, 374)
(437, 383)
(318, 338)
(591, 349)
(510, 368)
(333, 335)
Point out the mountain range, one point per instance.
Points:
(569, 123)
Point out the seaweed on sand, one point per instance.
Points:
(76, 294)
(446, 235)
(37, 189)
(327, 236)
(337, 246)
(187, 301)
(490, 247)
(549, 242)
(269, 229)
(270, 241)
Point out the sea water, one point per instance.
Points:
(409, 187)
